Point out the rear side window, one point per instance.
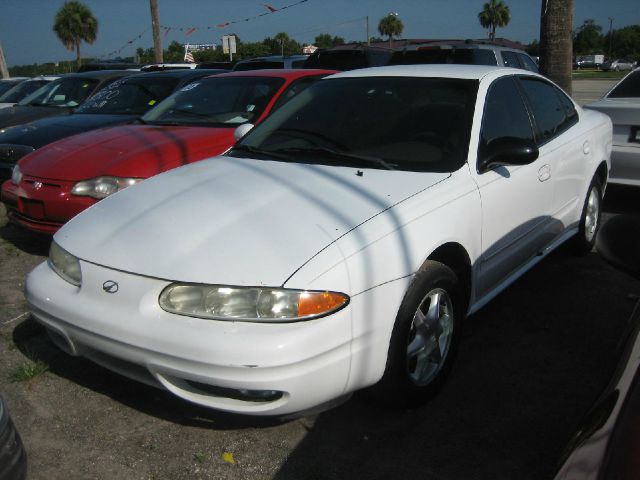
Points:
(510, 59)
(627, 88)
(528, 63)
(550, 109)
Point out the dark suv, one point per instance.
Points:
(349, 57)
(468, 52)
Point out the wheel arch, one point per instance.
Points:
(602, 174)
(455, 256)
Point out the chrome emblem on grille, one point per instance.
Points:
(37, 185)
(110, 286)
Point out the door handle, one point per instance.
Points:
(544, 173)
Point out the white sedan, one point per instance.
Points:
(622, 104)
(338, 246)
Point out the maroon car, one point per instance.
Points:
(51, 185)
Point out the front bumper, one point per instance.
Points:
(42, 205)
(208, 362)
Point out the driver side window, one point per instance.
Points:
(505, 115)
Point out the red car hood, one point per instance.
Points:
(139, 151)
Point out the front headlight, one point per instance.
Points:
(102, 187)
(65, 264)
(250, 304)
(16, 175)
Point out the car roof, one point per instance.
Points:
(288, 73)
(465, 72)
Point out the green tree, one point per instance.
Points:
(533, 48)
(494, 14)
(390, 26)
(625, 42)
(252, 49)
(588, 39)
(174, 53)
(73, 24)
(282, 44)
(324, 40)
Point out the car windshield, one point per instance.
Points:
(629, 87)
(20, 91)
(217, 102)
(5, 86)
(133, 96)
(414, 124)
(64, 92)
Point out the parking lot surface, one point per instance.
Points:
(530, 365)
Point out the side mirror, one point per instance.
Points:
(507, 151)
(242, 130)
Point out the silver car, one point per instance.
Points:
(622, 104)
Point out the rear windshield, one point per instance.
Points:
(463, 56)
(259, 65)
(629, 87)
(338, 60)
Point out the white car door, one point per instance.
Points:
(516, 199)
(565, 153)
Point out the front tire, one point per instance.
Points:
(424, 338)
(585, 239)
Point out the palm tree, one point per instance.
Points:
(556, 47)
(494, 14)
(73, 24)
(391, 26)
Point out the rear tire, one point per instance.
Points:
(585, 239)
(424, 338)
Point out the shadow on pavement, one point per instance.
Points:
(530, 366)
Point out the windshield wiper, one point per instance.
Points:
(258, 151)
(323, 151)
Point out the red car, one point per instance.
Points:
(54, 183)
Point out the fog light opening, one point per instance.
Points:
(243, 394)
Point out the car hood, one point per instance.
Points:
(19, 114)
(623, 111)
(46, 130)
(139, 151)
(234, 221)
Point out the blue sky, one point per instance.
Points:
(26, 35)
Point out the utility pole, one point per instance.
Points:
(155, 25)
(610, 36)
(4, 72)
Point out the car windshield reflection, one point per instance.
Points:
(414, 124)
(218, 102)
